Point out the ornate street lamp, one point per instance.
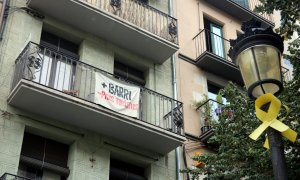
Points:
(258, 53)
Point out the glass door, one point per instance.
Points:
(216, 37)
(57, 66)
(54, 72)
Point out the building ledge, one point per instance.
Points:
(56, 105)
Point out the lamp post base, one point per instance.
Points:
(277, 154)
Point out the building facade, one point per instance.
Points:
(203, 66)
(89, 88)
(59, 61)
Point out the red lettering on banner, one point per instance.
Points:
(106, 96)
(127, 105)
(118, 101)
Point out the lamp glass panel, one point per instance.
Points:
(267, 67)
(247, 67)
(268, 63)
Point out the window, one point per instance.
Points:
(42, 158)
(214, 40)
(120, 170)
(213, 91)
(129, 73)
(58, 65)
(59, 44)
(243, 3)
(216, 105)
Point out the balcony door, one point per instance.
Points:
(57, 62)
(214, 38)
(217, 40)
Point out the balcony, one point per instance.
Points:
(61, 88)
(8, 176)
(211, 55)
(129, 24)
(286, 74)
(243, 10)
(210, 112)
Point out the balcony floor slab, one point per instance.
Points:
(53, 104)
(239, 12)
(219, 66)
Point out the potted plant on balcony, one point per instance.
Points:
(204, 106)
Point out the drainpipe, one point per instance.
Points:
(174, 84)
(178, 149)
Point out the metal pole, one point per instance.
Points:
(277, 154)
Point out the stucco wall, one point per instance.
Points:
(19, 29)
(190, 16)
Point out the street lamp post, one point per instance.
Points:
(258, 53)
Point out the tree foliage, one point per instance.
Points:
(237, 155)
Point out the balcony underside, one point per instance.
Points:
(238, 11)
(219, 66)
(108, 27)
(205, 136)
(57, 105)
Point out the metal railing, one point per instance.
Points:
(8, 176)
(211, 111)
(207, 41)
(286, 74)
(251, 4)
(58, 71)
(141, 15)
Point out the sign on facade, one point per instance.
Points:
(117, 95)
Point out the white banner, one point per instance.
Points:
(117, 95)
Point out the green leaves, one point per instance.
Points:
(290, 15)
(238, 156)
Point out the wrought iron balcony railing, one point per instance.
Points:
(8, 176)
(207, 41)
(251, 4)
(211, 111)
(141, 15)
(63, 73)
(286, 74)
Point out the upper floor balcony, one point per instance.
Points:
(210, 51)
(130, 24)
(59, 87)
(243, 10)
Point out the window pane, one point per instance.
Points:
(42, 75)
(217, 40)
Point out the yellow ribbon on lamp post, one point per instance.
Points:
(269, 119)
